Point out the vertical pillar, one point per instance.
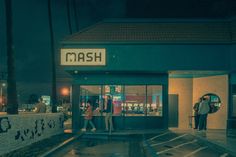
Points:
(165, 106)
(230, 103)
(231, 120)
(75, 108)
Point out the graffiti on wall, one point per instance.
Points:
(39, 127)
(37, 131)
(5, 124)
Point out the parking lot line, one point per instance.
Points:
(193, 141)
(195, 151)
(169, 140)
(158, 136)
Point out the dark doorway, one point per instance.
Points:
(173, 110)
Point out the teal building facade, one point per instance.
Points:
(133, 60)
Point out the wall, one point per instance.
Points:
(18, 131)
(190, 90)
(158, 58)
(121, 78)
(219, 86)
(184, 88)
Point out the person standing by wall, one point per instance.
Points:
(196, 114)
(108, 114)
(88, 117)
(40, 107)
(203, 112)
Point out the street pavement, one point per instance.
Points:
(182, 145)
(151, 143)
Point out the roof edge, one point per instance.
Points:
(146, 43)
(164, 20)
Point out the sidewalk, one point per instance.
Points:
(214, 137)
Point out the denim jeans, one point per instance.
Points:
(202, 122)
(86, 121)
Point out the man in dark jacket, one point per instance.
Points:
(196, 115)
(108, 111)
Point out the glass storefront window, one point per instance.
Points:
(116, 93)
(127, 100)
(213, 101)
(92, 94)
(234, 106)
(154, 100)
(233, 112)
(135, 100)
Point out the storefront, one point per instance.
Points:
(136, 103)
(138, 63)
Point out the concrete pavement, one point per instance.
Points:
(215, 137)
(212, 142)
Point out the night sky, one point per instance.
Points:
(31, 27)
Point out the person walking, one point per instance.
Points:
(88, 117)
(108, 114)
(203, 112)
(196, 115)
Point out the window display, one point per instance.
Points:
(127, 100)
(93, 94)
(214, 102)
(234, 106)
(154, 104)
(233, 111)
(135, 97)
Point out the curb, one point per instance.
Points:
(63, 144)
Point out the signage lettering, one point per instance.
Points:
(83, 57)
(80, 57)
(71, 58)
(98, 57)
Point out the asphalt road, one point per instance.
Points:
(94, 149)
(163, 144)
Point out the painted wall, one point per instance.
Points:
(120, 79)
(184, 88)
(17, 131)
(159, 58)
(190, 90)
(219, 86)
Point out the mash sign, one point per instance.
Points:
(83, 57)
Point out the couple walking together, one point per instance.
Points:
(108, 115)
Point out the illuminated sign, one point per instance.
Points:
(46, 99)
(83, 57)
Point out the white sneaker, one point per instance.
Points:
(83, 129)
(94, 129)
